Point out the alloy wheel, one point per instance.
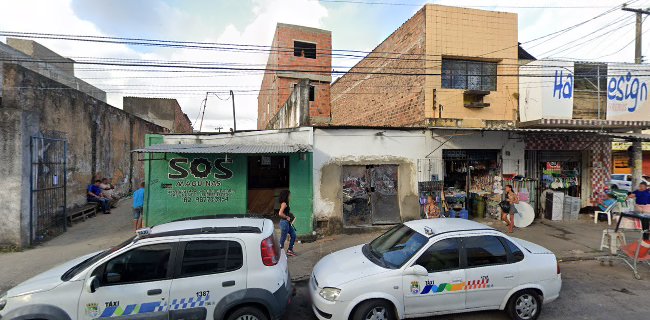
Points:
(247, 317)
(526, 306)
(377, 313)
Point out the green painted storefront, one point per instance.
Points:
(184, 185)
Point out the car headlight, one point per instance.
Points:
(330, 294)
(3, 302)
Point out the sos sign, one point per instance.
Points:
(199, 168)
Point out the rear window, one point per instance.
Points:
(209, 257)
(517, 254)
(484, 251)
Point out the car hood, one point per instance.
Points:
(344, 266)
(47, 280)
(532, 248)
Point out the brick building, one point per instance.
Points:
(444, 67)
(297, 53)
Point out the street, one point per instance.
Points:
(590, 291)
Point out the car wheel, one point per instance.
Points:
(525, 305)
(614, 187)
(374, 310)
(248, 313)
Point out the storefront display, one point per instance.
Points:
(470, 180)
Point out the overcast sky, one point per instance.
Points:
(355, 25)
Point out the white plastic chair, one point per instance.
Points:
(608, 212)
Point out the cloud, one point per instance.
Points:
(353, 26)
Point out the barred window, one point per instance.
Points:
(469, 75)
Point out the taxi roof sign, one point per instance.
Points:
(143, 232)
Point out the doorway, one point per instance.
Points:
(267, 177)
(370, 195)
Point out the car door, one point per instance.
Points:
(208, 270)
(442, 290)
(490, 275)
(135, 282)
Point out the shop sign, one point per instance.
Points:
(627, 92)
(546, 90)
(199, 180)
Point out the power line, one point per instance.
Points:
(457, 5)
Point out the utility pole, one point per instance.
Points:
(637, 145)
(205, 104)
(234, 119)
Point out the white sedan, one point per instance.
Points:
(432, 267)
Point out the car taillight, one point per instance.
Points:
(270, 251)
(558, 267)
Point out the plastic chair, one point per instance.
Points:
(612, 240)
(608, 212)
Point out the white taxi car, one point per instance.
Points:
(196, 269)
(432, 267)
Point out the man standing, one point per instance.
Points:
(138, 204)
(642, 198)
(94, 194)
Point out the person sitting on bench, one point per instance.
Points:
(94, 194)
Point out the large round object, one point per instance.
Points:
(525, 214)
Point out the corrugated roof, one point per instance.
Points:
(225, 148)
(628, 136)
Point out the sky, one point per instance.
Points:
(355, 25)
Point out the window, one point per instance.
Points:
(147, 263)
(629, 178)
(517, 254)
(617, 177)
(442, 255)
(312, 93)
(393, 248)
(304, 49)
(484, 251)
(208, 257)
(469, 75)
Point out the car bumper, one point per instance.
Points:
(283, 297)
(324, 309)
(552, 289)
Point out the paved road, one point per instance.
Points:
(590, 291)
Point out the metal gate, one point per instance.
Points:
(47, 188)
(370, 195)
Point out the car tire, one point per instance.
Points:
(374, 310)
(248, 313)
(524, 305)
(614, 187)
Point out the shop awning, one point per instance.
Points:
(627, 136)
(585, 124)
(225, 148)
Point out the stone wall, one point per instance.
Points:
(100, 138)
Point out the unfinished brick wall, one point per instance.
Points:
(284, 70)
(386, 100)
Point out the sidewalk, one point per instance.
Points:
(94, 234)
(570, 241)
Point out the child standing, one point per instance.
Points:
(138, 204)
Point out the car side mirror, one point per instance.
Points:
(92, 284)
(416, 270)
(113, 277)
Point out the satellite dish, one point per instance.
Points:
(525, 214)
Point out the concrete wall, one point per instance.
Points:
(386, 100)
(334, 148)
(100, 138)
(40, 52)
(50, 70)
(163, 112)
(295, 111)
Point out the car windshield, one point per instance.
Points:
(395, 247)
(90, 261)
